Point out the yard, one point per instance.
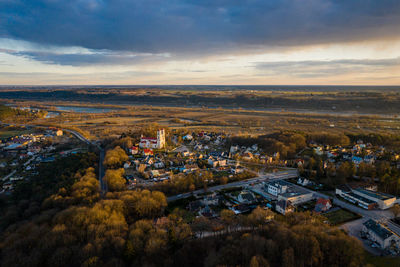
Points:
(341, 216)
(382, 261)
(6, 133)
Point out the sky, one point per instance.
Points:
(168, 42)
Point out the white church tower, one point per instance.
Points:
(161, 138)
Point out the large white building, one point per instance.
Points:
(365, 198)
(276, 188)
(150, 142)
(288, 192)
(380, 234)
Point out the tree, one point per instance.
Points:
(115, 157)
(346, 170)
(260, 216)
(87, 189)
(115, 180)
(288, 259)
(395, 210)
(258, 261)
(227, 217)
(125, 142)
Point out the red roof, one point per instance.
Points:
(323, 201)
(134, 148)
(148, 151)
(151, 141)
(148, 138)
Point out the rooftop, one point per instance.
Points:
(378, 229)
(278, 183)
(374, 194)
(363, 199)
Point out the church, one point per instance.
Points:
(150, 142)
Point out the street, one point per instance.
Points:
(287, 174)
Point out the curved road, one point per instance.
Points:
(79, 136)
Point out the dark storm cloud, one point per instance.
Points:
(196, 26)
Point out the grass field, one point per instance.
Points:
(378, 261)
(10, 133)
(341, 216)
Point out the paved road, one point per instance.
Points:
(5, 178)
(103, 185)
(353, 228)
(270, 176)
(379, 215)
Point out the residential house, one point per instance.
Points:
(127, 164)
(319, 151)
(212, 199)
(234, 149)
(147, 152)
(322, 205)
(240, 208)
(189, 168)
(303, 181)
(246, 197)
(187, 137)
(134, 150)
(216, 162)
(237, 169)
(356, 160)
(247, 156)
(159, 164)
(59, 132)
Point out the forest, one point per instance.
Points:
(69, 223)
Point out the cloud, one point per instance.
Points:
(92, 58)
(195, 27)
(321, 68)
(97, 77)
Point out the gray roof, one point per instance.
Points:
(378, 229)
(374, 194)
(363, 199)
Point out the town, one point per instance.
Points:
(206, 173)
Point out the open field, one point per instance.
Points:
(6, 133)
(380, 261)
(329, 100)
(238, 111)
(341, 216)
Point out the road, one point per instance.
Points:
(287, 174)
(103, 185)
(5, 178)
(353, 228)
(379, 215)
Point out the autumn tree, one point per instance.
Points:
(260, 216)
(115, 180)
(395, 209)
(115, 157)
